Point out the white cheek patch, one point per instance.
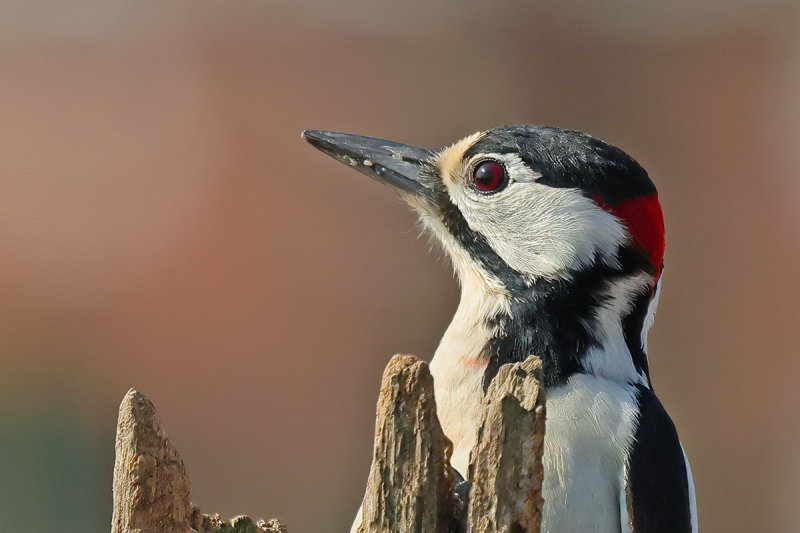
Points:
(541, 231)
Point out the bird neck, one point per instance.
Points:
(594, 322)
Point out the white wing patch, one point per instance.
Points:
(612, 359)
(692, 498)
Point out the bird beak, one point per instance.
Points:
(388, 162)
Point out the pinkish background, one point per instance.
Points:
(163, 226)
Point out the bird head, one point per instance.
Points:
(525, 202)
(530, 215)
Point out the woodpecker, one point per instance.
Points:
(557, 240)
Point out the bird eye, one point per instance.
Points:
(489, 176)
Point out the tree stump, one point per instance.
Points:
(411, 485)
(506, 465)
(151, 488)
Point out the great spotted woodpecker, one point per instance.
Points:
(557, 239)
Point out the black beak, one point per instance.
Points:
(388, 162)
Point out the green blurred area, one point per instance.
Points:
(56, 473)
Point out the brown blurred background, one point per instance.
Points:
(163, 225)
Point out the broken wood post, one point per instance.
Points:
(410, 485)
(151, 488)
(506, 464)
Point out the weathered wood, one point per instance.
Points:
(151, 488)
(410, 486)
(411, 483)
(506, 464)
(203, 523)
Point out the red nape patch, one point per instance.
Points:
(642, 216)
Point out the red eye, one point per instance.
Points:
(489, 176)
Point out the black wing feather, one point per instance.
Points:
(658, 485)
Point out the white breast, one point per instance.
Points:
(589, 432)
(590, 428)
(590, 422)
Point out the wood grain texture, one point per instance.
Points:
(410, 486)
(506, 465)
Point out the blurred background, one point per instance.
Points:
(162, 225)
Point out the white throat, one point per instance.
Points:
(459, 364)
